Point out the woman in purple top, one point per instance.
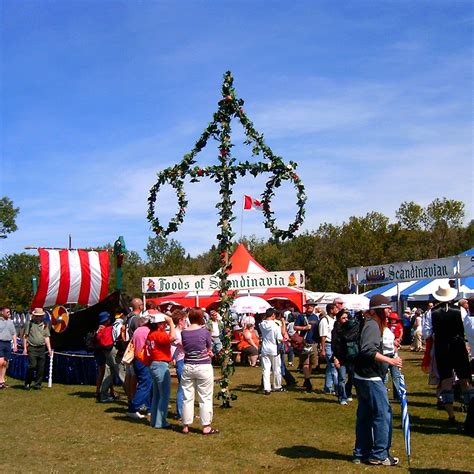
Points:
(198, 375)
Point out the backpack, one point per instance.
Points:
(90, 342)
(122, 339)
(351, 339)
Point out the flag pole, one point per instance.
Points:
(242, 217)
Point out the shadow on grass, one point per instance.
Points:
(430, 393)
(83, 394)
(314, 399)
(305, 452)
(430, 425)
(440, 471)
(247, 388)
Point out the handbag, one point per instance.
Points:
(129, 353)
(297, 342)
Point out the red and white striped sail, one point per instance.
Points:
(72, 276)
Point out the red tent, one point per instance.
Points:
(242, 262)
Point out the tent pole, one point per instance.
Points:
(458, 274)
(197, 299)
(398, 298)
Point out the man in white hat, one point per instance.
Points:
(35, 341)
(444, 322)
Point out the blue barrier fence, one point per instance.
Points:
(75, 368)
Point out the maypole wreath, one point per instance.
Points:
(225, 173)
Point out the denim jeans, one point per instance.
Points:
(285, 373)
(374, 420)
(161, 378)
(291, 355)
(216, 345)
(179, 392)
(112, 372)
(344, 383)
(143, 392)
(330, 382)
(395, 374)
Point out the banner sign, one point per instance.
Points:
(403, 271)
(237, 281)
(466, 266)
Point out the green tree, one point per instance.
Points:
(16, 272)
(165, 257)
(8, 215)
(410, 216)
(444, 218)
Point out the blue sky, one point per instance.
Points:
(373, 99)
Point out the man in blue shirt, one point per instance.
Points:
(307, 325)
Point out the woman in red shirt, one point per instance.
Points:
(159, 349)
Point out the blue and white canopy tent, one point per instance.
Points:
(389, 290)
(421, 290)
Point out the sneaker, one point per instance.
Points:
(281, 389)
(343, 402)
(27, 387)
(107, 400)
(134, 415)
(390, 461)
(349, 399)
(308, 386)
(267, 392)
(356, 460)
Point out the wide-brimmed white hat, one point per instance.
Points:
(157, 317)
(38, 312)
(445, 292)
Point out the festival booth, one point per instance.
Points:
(71, 276)
(351, 301)
(248, 278)
(457, 269)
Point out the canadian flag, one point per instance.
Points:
(251, 203)
(72, 276)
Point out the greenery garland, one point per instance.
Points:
(225, 173)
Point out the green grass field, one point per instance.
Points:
(63, 429)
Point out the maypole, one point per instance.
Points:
(225, 173)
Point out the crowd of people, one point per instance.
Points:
(359, 351)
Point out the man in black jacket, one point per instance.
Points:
(445, 323)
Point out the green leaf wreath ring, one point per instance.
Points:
(280, 175)
(167, 176)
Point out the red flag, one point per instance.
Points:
(251, 203)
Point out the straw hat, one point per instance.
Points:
(445, 292)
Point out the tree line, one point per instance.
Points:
(418, 233)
